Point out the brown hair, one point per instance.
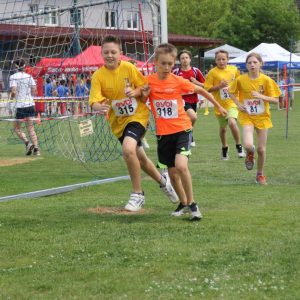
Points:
(165, 48)
(112, 39)
(256, 55)
(222, 51)
(20, 64)
(186, 52)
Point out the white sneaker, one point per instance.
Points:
(29, 149)
(193, 144)
(179, 211)
(135, 202)
(195, 212)
(168, 189)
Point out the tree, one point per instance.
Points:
(244, 24)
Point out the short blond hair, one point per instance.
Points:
(165, 48)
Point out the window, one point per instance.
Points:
(110, 19)
(132, 20)
(78, 18)
(51, 18)
(33, 8)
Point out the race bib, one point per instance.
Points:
(224, 93)
(254, 106)
(124, 107)
(166, 109)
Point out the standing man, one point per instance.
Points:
(22, 88)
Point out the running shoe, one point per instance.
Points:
(29, 149)
(179, 211)
(240, 151)
(261, 179)
(135, 202)
(168, 189)
(195, 212)
(249, 161)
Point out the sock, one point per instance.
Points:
(258, 174)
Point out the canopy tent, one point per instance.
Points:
(232, 51)
(87, 61)
(273, 55)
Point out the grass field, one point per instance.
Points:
(246, 247)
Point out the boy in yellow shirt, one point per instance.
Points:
(128, 116)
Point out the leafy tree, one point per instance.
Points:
(244, 24)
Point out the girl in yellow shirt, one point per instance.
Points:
(253, 92)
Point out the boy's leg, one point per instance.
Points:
(129, 150)
(181, 165)
(177, 185)
(248, 131)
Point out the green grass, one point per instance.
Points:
(246, 247)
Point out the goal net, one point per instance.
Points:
(61, 43)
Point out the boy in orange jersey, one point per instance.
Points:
(173, 125)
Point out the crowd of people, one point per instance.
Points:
(125, 96)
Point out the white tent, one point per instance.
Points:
(273, 55)
(232, 51)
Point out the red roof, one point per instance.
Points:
(17, 30)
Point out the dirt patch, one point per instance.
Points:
(12, 161)
(116, 211)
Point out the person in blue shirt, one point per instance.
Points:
(62, 92)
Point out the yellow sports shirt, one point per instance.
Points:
(110, 85)
(214, 77)
(258, 111)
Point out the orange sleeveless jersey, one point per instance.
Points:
(167, 104)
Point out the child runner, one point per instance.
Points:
(194, 75)
(217, 82)
(173, 126)
(256, 91)
(128, 117)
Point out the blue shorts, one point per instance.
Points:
(25, 112)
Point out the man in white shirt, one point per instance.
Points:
(22, 87)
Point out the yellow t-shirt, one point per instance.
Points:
(214, 77)
(110, 85)
(243, 87)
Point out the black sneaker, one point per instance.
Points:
(225, 155)
(240, 151)
(179, 211)
(195, 212)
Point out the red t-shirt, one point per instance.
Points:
(167, 105)
(193, 72)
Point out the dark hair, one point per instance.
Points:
(48, 80)
(165, 48)
(112, 39)
(186, 52)
(20, 64)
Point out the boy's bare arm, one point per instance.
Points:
(210, 98)
(145, 90)
(101, 107)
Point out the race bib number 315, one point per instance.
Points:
(125, 107)
(166, 109)
(254, 106)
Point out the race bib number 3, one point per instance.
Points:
(166, 109)
(125, 107)
(254, 106)
(224, 93)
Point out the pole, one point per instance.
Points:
(75, 43)
(288, 98)
(164, 21)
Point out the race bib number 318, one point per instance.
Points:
(166, 109)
